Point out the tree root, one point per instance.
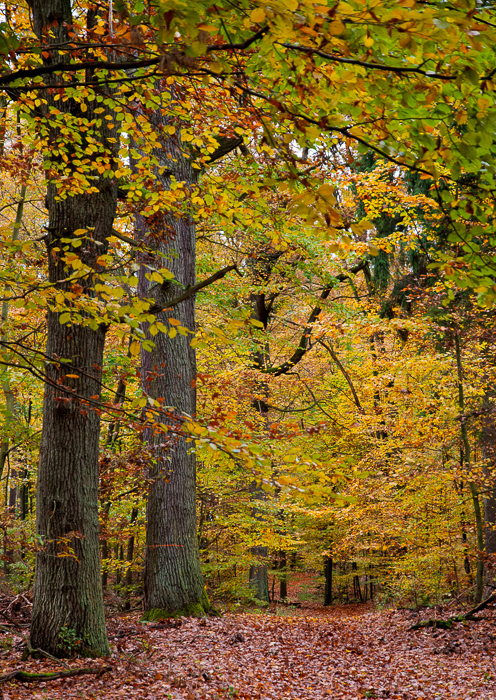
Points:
(25, 677)
(448, 624)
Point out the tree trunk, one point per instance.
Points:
(283, 567)
(479, 528)
(173, 582)
(488, 447)
(258, 577)
(68, 600)
(67, 590)
(129, 559)
(328, 581)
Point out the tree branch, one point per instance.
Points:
(343, 372)
(447, 624)
(190, 291)
(400, 70)
(304, 344)
(25, 677)
(108, 66)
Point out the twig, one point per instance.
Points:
(32, 652)
(12, 622)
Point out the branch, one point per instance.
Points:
(25, 677)
(344, 131)
(244, 45)
(108, 66)
(400, 70)
(447, 624)
(304, 344)
(226, 145)
(190, 291)
(343, 372)
(73, 68)
(123, 237)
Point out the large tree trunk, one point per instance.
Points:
(68, 612)
(173, 582)
(67, 589)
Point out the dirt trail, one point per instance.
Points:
(347, 652)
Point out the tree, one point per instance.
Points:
(173, 580)
(68, 597)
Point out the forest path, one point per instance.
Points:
(343, 653)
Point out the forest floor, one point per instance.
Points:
(345, 652)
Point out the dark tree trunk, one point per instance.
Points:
(283, 566)
(67, 590)
(173, 582)
(129, 559)
(328, 581)
(488, 447)
(68, 601)
(262, 305)
(258, 577)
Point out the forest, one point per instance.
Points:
(247, 349)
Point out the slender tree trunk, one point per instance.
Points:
(283, 567)
(111, 443)
(261, 269)
(7, 390)
(328, 581)
(258, 576)
(488, 447)
(479, 529)
(68, 600)
(173, 582)
(130, 559)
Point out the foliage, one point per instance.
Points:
(344, 155)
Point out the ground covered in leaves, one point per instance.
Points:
(309, 652)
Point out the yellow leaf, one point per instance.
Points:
(208, 28)
(134, 348)
(337, 27)
(258, 15)
(73, 376)
(216, 67)
(368, 41)
(326, 189)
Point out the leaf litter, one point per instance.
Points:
(310, 653)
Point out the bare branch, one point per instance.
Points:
(304, 344)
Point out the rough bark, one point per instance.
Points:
(173, 582)
(68, 609)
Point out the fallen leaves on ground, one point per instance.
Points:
(343, 653)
